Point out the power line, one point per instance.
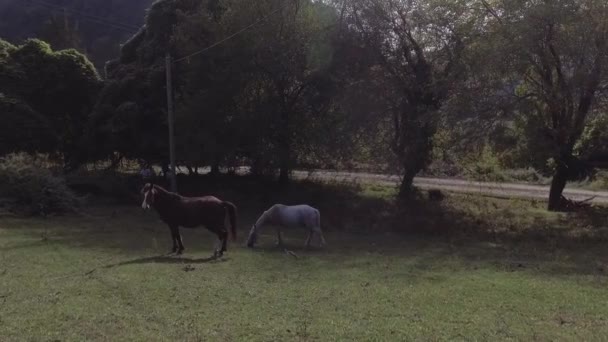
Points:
(99, 20)
(84, 14)
(232, 35)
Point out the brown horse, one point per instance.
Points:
(191, 212)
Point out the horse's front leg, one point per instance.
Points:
(173, 240)
(279, 236)
(178, 241)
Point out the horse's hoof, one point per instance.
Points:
(179, 252)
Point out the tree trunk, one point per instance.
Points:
(284, 165)
(215, 167)
(406, 190)
(285, 150)
(557, 187)
(284, 175)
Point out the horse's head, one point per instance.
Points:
(149, 193)
(253, 237)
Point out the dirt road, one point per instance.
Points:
(508, 190)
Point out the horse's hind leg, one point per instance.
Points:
(320, 233)
(174, 239)
(220, 245)
(223, 235)
(307, 243)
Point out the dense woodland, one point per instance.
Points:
(396, 85)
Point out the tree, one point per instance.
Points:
(132, 106)
(419, 47)
(23, 129)
(264, 95)
(292, 54)
(61, 86)
(559, 51)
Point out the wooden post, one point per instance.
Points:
(170, 118)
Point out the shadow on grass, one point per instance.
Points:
(358, 220)
(167, 259)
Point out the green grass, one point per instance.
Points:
(102, 276)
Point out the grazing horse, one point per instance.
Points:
(283, 216)
(191, 212)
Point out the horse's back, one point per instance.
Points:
(297, 207)
(208, 199)
(206, 210)
(300, 214)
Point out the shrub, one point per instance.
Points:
(483, 166)
(32, 189)
(599, 181)
(528, 175)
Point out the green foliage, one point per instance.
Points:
(558, 51)
(32, 188)
(24, 129)
(594, 140)
(61, 86)
(484, 165)
(418, 55)
(264, 96)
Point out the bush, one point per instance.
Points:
(599, 181)
(32, 189)
(528, 175)
(483, 166)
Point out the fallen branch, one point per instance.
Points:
(571, 205)
(290, 253)
(588, 199)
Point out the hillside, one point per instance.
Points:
(95, 27)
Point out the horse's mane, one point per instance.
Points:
(165, 192)
(267, 215)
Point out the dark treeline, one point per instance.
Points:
(94, 27)
(390, 83)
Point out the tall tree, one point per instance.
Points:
(419, 47)
(292, 52)
(559, 50)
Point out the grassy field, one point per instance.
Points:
(467, 268)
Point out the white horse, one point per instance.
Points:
(283, 216)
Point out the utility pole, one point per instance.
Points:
(170, 118)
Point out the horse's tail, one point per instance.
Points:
(231, 211)
(318, 219)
